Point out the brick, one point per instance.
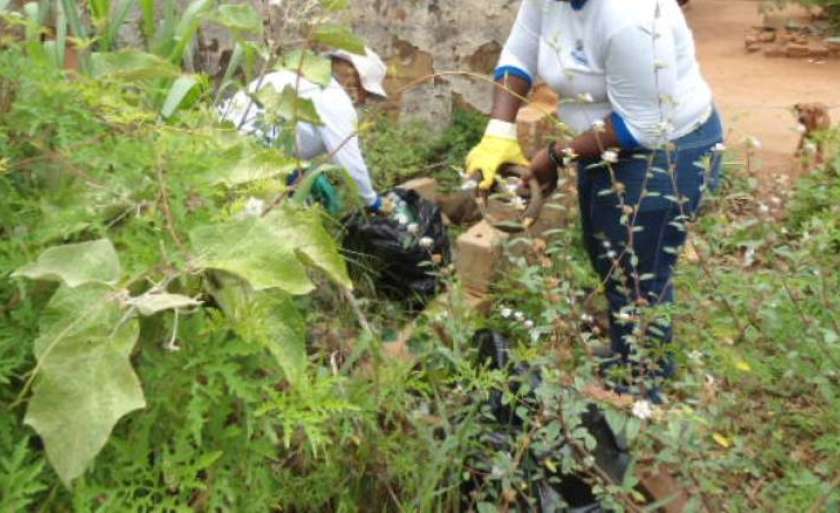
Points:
(774, 51)
(767, 36)
(819, 51)
(479, 256)
(793, 49)
(661, 485)
(426, 187)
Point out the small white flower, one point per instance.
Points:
(695, 356)
(611, 254)
(610, 156)
(426, 242)
(254, 207)
(412, 228)
(586, 318)
(753, 142)
(529, 324)
(801, 128)
(606, 243)
(623, 316)
(642, 409)
(469, 185)
(519, 316)
(506, 312)
(586, 98)
(719, 148)
(599, 126)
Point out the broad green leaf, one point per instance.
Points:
(154, 302)
(288, 105)
(268, 317)
(179, 90)
(340, 37)
(270, 251)
(116, 22)
(187, 26)
(76, 264)
(241, 18)
(84, 382)
(304, 229)
(132, 65)
(147, 7)
(256, 165)
(316, 68)
(248, 248)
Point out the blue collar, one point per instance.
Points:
(578, 4)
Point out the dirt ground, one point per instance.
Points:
(755, 93)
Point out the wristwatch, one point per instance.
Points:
(564, 161)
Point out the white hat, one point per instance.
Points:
(370, 67)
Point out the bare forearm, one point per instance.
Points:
(507, 98)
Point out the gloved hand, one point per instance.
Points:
(499, 146)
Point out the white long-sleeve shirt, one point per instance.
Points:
(633, 60)
(337, 135)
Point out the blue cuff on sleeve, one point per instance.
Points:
(512, 71)
(377, 205)
(625, 138)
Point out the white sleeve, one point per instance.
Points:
(641, 69)
(521, 51)
(339, 136)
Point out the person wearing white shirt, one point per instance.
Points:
(646, 130)
(356, 75)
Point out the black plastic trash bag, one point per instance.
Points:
(555, 492)
(404, 251)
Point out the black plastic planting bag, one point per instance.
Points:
(556, 492)
(403, 251)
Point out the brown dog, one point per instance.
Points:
(814, 117)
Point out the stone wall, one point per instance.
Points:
(419, 38)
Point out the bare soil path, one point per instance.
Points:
(754, 93)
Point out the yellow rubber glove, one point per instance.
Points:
(499, 146)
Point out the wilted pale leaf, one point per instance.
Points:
(743, 366)
(76, 264)
(270, 251)
(722, 440)
(85, 382)
(315, 68)
(154, 302)
(132, 65)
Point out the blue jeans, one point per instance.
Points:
(635, 251)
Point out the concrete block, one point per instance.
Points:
(534, 122)
(426, 187)
(479, 255)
